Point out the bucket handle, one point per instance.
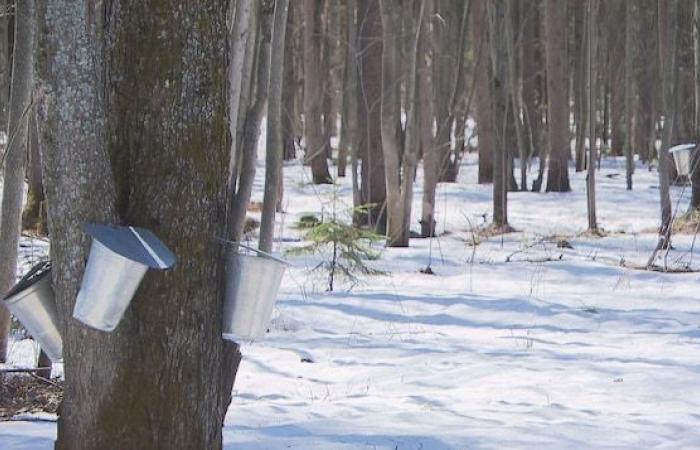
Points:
(258, 251)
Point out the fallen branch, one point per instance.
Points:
(38, 369)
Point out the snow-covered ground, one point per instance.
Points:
(514, 343)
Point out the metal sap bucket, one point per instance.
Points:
(33, 303)
(119, 258)
(252, 283)
(682, 158)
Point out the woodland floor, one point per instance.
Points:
(542, 338)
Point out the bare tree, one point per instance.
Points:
(448, 44)
(514, 90)
(5, 61)
(15, 157)
(289, 109)
(313, 100)
(502, 171)
(160, 163)
(372, 192)
(630, 48)
(695, 176)
(274, 153)
(557, 98)
(250, 115)
(531, 75)
(668, 29)
(591, 81)
(425, 117)
(348, 125)
(484, 113)
(400, 155)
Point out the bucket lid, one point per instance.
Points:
(681, 147)
(137, 244)
(34, 275)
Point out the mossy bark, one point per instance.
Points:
(141, 138)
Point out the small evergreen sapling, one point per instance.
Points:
(345, 247)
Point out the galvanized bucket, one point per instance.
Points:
(682, 157)
(119, 258)
(33, 303)
(252, 283)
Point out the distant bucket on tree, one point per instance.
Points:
(682, 158)
(33, 303)
(252, 284)
(119, 258)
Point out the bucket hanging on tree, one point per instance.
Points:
(252, 283)
(119, 258)
(33, 303)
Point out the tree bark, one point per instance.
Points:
(513, 84)
(557, 98)
(5, 66)
(644, 125)
(315, 148)
(615, 18)
(399, 157)
(163, 378)
(348, 116)
(531, 74)
(579, 80)
(34, 212)
(274, 153)
(592, 50)
(484, 113)
(369, 133)
(668, 21)
(252, 118)
(695, 175)
(289, 86)
(629, 83)
(501, 167)
(425, 116)
(15, 158)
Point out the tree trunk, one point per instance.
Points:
(34, 212)
(328, 40)
(274, 153)
(313, 101)
(162, 379)
(425, 116)
(252, 118)
(399, 157)
(695, 175)
(348, 117)
(629, 99)
(530, 23)
(513, 83)
(615, 18)
(289, 86)
(369, 132)
(5, 66)
(501, 169)
(668, 21)
(484, 112)
(557, 98)
(579, 80)
(15, 158)
(645, 35)
(592, 49)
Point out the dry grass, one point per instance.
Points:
(25, 394)
(687, 223)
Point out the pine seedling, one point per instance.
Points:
(346, 248)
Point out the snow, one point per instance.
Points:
(513, 343)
